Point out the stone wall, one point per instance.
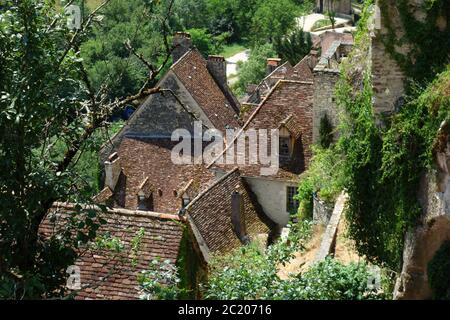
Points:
(433, 230)
(339, 6)
(324, 100)
(388, 78)
(321, 211)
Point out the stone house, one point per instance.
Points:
(334, 47)
(341, 7)
(217, 207)
(112, 275)
(287, 107)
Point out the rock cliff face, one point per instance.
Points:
(389, 82)
(433, 230)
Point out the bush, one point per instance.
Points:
(305, 198)
(250, 272)
(439, 273)
(206, 43)
(254, 70)
(331, 280)
(293, 47)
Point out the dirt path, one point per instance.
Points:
(232, 65)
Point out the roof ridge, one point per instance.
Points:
(182, 57)
(121, 211)
(212, 186)
(246, 123)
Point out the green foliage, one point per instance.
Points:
(250, 272)
(383, 165)
(439, 273)
(305, 197)
(254, 70)
(206, 43)
(105, 54)
(325, 132)
(190, 268)
(325, 177)
(332, 17)
(244, 20)
(331, 280)
(425, 58)
(293, 47)
(273, 18)
(160, 281)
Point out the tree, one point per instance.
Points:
(108, 62)
(206, 43)
(273, 18)
(47, 99)
(331, 14)
(293, 47)
(254, 70)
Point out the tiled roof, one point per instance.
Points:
(192, 71)
(150, 158)
(287, 98)
(329, 37)
(301, 71)
(292, 125)
(264, 87)
(106, 274)
(210, 214)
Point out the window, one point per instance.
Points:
(291, 203)
(144, 203)
(285, 152)
(186, 199)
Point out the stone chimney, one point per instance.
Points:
(313, 59)
(112, 170)
(182, 43)
(272, 64)
(237, 217)
(217, 67)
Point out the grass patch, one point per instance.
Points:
(232, 49)
(320, 24)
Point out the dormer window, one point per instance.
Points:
(145, 196)
(285, 145)
(145, 203)
(185, 200)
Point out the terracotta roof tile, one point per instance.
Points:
(109, 275)
(210, 212)
(287, 98)
(151, 158)
(192, 71)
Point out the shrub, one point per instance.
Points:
(305, 199)
(254, 70)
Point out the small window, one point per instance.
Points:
(145, 204)
(185, 200)
(291, 203)
(285, 148)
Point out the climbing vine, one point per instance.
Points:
(428, 40)
(383, 164)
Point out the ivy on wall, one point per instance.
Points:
(428, 40)
(383, 165)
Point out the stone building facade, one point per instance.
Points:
(341, 7)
